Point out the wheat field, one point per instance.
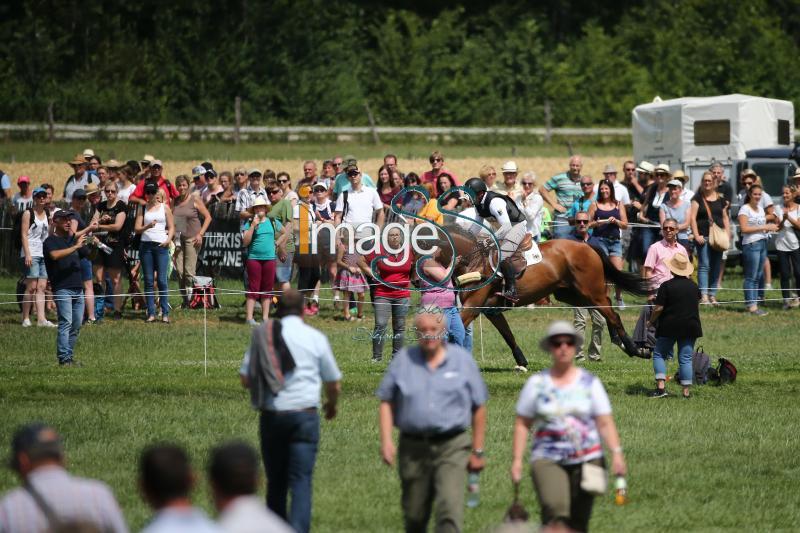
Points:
(56, 172)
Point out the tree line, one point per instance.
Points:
(574, 62)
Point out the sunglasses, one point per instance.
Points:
(353, 173)
(273, 192)
(283, 181)
(557, 344)
(670, 228)
(586, 184)
(437, 160)
(111, 191)
(527, 183)
(582, 222)
(320, 189)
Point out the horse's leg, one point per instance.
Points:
(501, 324)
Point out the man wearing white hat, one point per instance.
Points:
(509, 187)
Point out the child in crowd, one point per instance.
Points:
(350, 280)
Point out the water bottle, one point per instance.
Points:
(473, 489)
(621, 494)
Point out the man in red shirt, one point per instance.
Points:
(391, 296)
(157, 177)
(428, 178)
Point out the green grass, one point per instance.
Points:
(30, 151)
(725, 460)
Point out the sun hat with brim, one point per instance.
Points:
(113, 164)
(558, 328)
(679, 175)
(147, 159)
(609, 169)
(663, 168)
(260, 202)
(675, 183)
(91, 189)
(679, 265)
(509, 166)
(88, 153)
(748, 172)
(646, 167)
(78, 160)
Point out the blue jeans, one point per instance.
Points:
(753, 257)
(289, 441)
(69, 306)
(561, 227)
(709, 263)
(468, 337)
(664, 350)
(155, 258)
(455, 327)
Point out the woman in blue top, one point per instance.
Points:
(262, 249)
(678, 208)
(608, 217)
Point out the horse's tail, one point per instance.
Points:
(627, 281)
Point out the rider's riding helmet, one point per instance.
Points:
(476, 185)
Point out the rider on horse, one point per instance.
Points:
(513, 227)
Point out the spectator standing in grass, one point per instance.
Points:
(391, 280)
(227, 195)
(385, 187)
(166, 481)
(755, 226)
(126, 186)
(80, 177)
(567, 189)
(308, 261)
(655, 195)
(328, 174)
(156, 226)
(433, 392)
(35, 228)
(655, 264)
(285, 183)
(239, 182)
(281, 210)
(246, 197)
(289, 404)
(788, 245)
(676, 317)
(570, 413)
(214, 189)
(110, 217)
(608, 219)
(708, 206)
(78, 206)
(677, 209)
(584, 202)
(62, 252)
(390, 162)
(23, 199)
(350, 281)
(510, 187)
(582, 314)
(310, 171)
(265, 240)
(78, 504)
(343, 183)
(189, 233)
(438, 292)
(412, 201)
(233, 473)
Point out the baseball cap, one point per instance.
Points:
(675, 183)
(39, 190)
(351, 168)
(23, 179)
(79, 194)
(253, 172)
(156, 163)
(38, 440)
(64, 213)
(211, 173)
(88, 153)
(320, 185)
(207, 165)
(199, 170)
(509, 166)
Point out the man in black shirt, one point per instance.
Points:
(62, 255)
(677, 319)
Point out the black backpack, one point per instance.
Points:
(701, 368)
(724, 373)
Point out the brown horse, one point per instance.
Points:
(574, 272)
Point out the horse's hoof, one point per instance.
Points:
(521, 369)
(642, 353)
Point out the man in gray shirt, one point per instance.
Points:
(432, 393)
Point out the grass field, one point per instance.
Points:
(724, 460)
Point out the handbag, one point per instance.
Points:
(717, 237)
(593, 479)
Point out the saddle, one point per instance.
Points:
(527, 254)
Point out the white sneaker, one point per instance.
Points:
(46, 324)
(26, 323)
(620, 303)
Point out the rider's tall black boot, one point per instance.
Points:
(509, 277)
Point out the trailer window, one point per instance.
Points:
(773, 176)
(711, 132)
(784, 133)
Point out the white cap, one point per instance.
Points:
(663, 167)
(509, 166)
(88, 153)
(558, 328)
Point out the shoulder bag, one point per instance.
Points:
(717, 237)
